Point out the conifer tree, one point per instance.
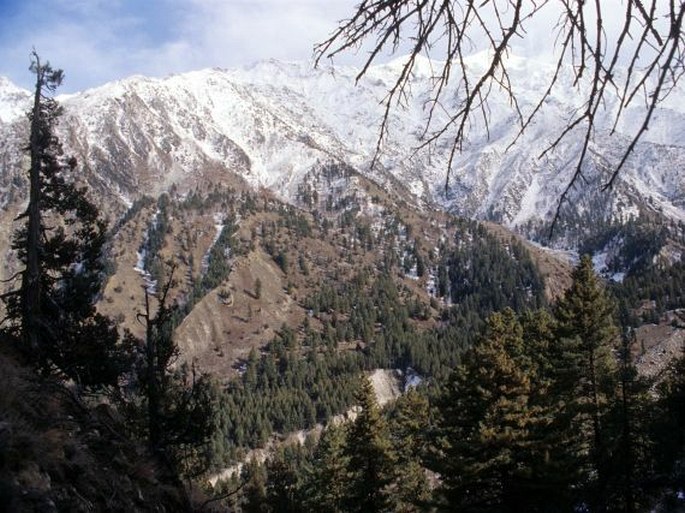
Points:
(327, 481)
(254, 494)
(671, 425)
(585, 381)
(631, 461)
(371, 458)
(487, 421)
(409, 425)
(282, 486)
(538, 482)
(61, 245)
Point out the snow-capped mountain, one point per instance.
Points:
(274, 122)
(14, 101)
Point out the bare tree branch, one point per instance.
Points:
(650, 40)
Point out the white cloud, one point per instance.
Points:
(100, 40)
(229, 33)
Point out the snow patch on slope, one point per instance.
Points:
(14, 101)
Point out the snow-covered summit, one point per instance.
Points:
(14, 101)
(273, 122)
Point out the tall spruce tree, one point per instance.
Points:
(540, 483)
(670, 427)
(409, 424)
(585, 380)
(254, 493)
(282, 487)
(60, 246)
(486, 422)
(327, 480)
(371, 457)
(631, 440)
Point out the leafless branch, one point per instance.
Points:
(650, 41)
(12, 278)
(223, 496)
(10, 293)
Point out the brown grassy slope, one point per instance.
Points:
(219, 332)
(58, 455)
(230, 320)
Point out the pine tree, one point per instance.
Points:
(486, 422)
(631, 451)
(254, 493)
(585, 378)
(409, 425)
(371, 458)
(327, 480)
(282, 487)
(541, 483)
(670, 425)
(61, 245)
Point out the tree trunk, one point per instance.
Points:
(153, 412)
(31, 284)
(598, 449)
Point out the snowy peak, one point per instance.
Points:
(14, 101)
(272, 123)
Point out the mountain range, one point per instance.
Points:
(293, 264)
(271, 124)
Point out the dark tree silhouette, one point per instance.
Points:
(178, 401)
(60, 246)
(25, 303)
(650, 41)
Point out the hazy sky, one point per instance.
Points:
(95, 41)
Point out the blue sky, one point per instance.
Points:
(96, 41)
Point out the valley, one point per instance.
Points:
(295, 269)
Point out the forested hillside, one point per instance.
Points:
(543, 412)
(194, 334)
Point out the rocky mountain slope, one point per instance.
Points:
(297, 266)
(248, 264)
(271, 123)
(280, 127)
(60, 455)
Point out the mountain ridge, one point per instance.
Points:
(271, 123)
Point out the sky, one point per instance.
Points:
(96, 41)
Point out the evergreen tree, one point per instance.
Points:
(541, 483)
(631, 442)
(585, 380)
(670, 426)
(409, 425)
(371, 458)
(486, 422)
(327, 480)
(282, 487)
(254, 494)
(258, 288)
(61, 245)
